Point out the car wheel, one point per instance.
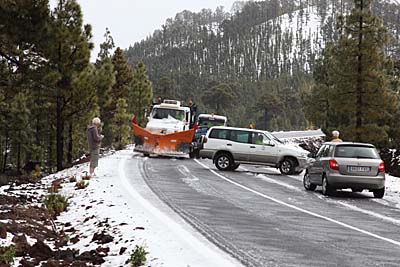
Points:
(235, 166)
(326, 189)
(192, 155)
(223, 162)
(287, 166)
(307, 183)
(379, 193)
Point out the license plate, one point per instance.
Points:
(359, 169)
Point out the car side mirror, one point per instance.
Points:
(269, 143)
(311, 155)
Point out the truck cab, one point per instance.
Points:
(169, 117)
(206, 121)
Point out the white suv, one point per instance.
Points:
(229, 147)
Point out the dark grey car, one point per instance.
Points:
(339, 165)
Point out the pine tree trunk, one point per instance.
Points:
(359, 79)
(2, 152)
(266, 119)
(59, 136)
(70, 143)
(50, 157)
(37, 137)
(326, 120)
(5, 154)
(19, 152)
(120, 135)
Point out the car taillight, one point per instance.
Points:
(333, 165)
(195, 126)
(203, 139)
(381, 167)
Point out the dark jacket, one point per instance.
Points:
(94, 139)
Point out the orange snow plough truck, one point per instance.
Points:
(168, 131)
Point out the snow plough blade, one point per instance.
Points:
(173, 144)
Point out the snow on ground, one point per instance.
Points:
(111, 200)
(392, 193)
(7, 241)
(118, 202)
(397, 2)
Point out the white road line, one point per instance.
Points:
(347, 205)
(394, 242)
(371, 213)
(273, 181)
(297, 178)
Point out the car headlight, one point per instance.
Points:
(303, 155)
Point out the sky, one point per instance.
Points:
(130, 21)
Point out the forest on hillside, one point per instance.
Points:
(253, 63)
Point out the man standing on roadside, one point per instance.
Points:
(94, 141)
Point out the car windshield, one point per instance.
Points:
(210, 122)
(273, 137)
(360, 152)
(163, 113)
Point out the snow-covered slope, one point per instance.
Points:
(303, 32)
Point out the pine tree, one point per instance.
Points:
(24, 26)
(120, 89)
(105, 47)
(164, 88)
(357, 93)
(219, 97)
(68, 55)
(23, 38)
(120, 125)
(105, 81)
(81, 111)
(4, 111)
(19, 128)
(140, 94)
(394, 125)
(362, 85)
(123, 76)
(270, 106)
(317, 97)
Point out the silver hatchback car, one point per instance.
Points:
(346, 165)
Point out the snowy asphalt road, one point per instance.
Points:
(265, 219)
